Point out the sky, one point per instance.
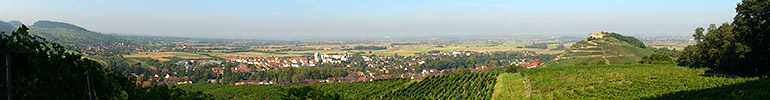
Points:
(287, 19)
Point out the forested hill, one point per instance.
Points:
(76, 37)
(59, 31)
(604, 48)
(6, 27)
(52, 24)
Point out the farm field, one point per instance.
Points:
(669, 44)
(639, 82)
(408, 50)
(161, 55)
(403, 50)
(250, 54)
(411, 50)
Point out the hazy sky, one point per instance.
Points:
(271, 19)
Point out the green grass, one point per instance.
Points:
(637, 82)
(623, 60)
(573, 61)
(511, 86)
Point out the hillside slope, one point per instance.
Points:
(53, 24)
(15, 23)
(6, 27)
(65, 31)
(460, 85)
(78, 38)
(667, 82)
(603, 48)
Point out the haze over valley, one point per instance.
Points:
(385, 50)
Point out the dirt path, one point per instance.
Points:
(511, 86)
(605, 55)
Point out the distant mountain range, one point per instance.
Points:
(15, 23)
(604, 48)
(6, 27)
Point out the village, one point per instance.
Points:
(374, 67)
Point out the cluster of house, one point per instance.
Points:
(161, 79)
(275, 61)
(281, 62)
(188, 64)
(324, 58)
(529, 63)
(357, 77)
(455, 53)
(239, 68)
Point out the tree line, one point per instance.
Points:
(741, 47)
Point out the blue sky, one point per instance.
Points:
(274, 19)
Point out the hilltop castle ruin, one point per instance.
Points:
(597, 34)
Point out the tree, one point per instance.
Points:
(752, 29)
(43, 70)
(698, 34)
(742, 47)
(716, 50)
(657, 58)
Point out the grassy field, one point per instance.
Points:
(640, 82)
(678, 45)
(412, 50)
(251, 54)
(403, 50)
(161, 55)
(511, 86)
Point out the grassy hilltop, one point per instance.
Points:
(607, 48)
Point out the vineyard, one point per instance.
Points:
(461, 86)
(558, 82)
(354, 90)
(639, 82)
